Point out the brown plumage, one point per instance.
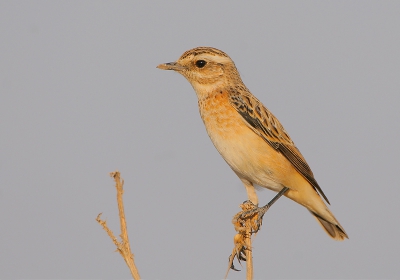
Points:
(248, 136)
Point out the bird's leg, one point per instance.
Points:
(259, 211)
(265, 208)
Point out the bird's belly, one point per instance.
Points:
(251, 158)
(246, 152)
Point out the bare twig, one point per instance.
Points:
(249, 251)
(123, 247)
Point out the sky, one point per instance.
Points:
(81, 97)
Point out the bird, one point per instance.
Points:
(249, 137)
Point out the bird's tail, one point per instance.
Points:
(334, 230)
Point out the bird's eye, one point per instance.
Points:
(200, 63)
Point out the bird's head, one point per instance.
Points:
(204, 67)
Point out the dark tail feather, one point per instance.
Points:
(335, 231)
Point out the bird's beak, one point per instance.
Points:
(171, 66)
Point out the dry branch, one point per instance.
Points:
(123, 246)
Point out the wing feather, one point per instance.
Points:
(265, 124)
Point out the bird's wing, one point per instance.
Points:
(265, 124)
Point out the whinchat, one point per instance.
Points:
(248, 136)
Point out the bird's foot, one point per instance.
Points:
(250, 212)
(247, 222)
(255, 214)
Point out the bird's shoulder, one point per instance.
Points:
(258, 116)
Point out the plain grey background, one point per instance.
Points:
(81, 97)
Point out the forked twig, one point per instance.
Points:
(123, 246)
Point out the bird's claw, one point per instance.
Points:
(240, 256)
(254, 213)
